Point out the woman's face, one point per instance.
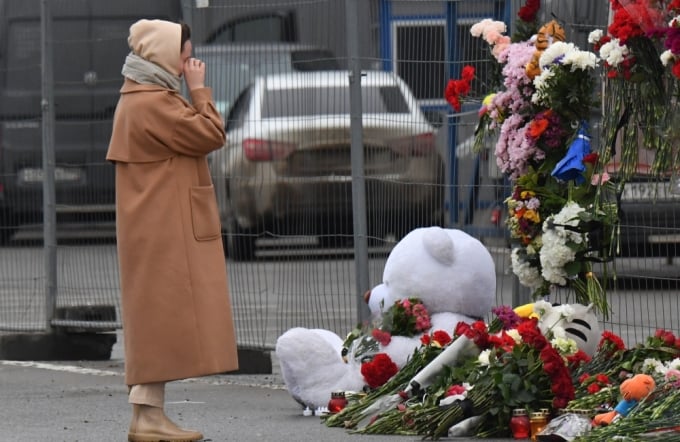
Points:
(184, 56)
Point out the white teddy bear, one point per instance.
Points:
(452, 273)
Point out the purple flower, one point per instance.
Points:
(507, 315)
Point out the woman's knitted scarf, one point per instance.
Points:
(145, 72)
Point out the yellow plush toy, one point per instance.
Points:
(633, 390)
(547, 35)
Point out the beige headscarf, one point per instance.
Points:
(157, 41)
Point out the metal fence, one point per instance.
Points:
(297, 256)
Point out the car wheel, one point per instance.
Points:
(239, 243)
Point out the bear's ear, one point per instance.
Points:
(439, 245)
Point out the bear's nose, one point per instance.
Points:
(367, 296)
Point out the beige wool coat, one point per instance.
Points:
(177, 318)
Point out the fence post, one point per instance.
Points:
(48, 163)
(358, 183)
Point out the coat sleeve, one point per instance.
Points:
(199, 129)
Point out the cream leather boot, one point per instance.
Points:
(150, 424)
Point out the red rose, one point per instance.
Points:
(441, 337)
(591, 158)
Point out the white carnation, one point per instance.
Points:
(667, 57)
(542, 307)
(528, 275)
(556, 253)
(580, 60)
(554, 52)
(651, 366)
(613, 52)
(595, 36)
(674, 364)
(483, 357)
(565, 346)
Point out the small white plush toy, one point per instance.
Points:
(451, 272)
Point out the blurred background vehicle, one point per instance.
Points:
(89, 46)
(286, 167)
(231, 67)
(649, 211)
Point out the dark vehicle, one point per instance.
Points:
(649, 211)
(89, 46)
(286, 168)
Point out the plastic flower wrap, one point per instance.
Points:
(640, 93)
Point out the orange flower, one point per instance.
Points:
(537, 127)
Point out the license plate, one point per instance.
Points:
(654, 191)
(32, 175)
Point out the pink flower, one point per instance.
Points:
(381, 336)
(595, 180)
(423, 323)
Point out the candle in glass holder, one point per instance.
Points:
(519, 424)
(538, 421)
(337, 403)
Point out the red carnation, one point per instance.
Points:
(379, 370)
(458, 88)
(610, 343)
(527, 13)
(578, 358)
(381, 336)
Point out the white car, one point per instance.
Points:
(286, 167)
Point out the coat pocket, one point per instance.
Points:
(204, 217)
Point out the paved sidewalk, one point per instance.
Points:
(87, 402)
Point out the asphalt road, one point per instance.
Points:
(86, 402)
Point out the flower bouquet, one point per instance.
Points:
(562, 211)
(406, 317)
(639, 92)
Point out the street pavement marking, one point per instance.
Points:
(246, 381)
(65, 368)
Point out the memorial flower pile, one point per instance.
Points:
(516, 365)
(510, 363)
(562, 213)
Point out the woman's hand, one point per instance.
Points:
(194, 73)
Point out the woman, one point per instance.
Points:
(177, 319)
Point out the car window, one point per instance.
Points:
(314, 60)
(331, 101)
(229, 73)
(237, 114)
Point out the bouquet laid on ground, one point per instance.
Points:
(562, 212)
(598, 382)
(486, 371)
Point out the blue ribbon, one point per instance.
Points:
(571, 167)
